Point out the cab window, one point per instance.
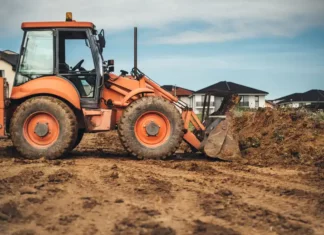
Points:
(37, 56)
(76, 61)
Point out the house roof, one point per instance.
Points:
(231, 86)
(10, 58)
(311, 95)
(180, 91)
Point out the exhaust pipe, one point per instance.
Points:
(135, 49)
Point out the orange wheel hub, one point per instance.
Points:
(41, 129)
(152, 129)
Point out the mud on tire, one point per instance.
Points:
(60, 112)
(131, 140)
(79, 138)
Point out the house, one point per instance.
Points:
(182, 93)
(8, 63)
(312, 98)
(270, 104)
(250, 97)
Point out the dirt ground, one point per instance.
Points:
(98, 189)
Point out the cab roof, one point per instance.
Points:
(56, 24)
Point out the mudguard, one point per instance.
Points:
(50, 85)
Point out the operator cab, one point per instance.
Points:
(71, 50)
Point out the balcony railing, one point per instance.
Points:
(200, 104)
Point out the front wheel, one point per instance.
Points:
(43, 127)
(79, 138)
(151, 127)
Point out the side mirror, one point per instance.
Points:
(101, 40)
(111, 66)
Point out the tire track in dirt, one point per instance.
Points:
(268, 200)
(241, 178)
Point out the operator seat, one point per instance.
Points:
(63, 68)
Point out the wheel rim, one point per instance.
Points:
(41, 129)
(152, 129)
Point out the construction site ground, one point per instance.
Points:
(99, 189)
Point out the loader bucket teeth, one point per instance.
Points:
(221, 142)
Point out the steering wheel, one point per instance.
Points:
(78, 65)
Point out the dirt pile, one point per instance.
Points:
(281, 136)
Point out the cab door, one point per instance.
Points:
(77, 61)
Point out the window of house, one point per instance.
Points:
(201, 102)
(257, 102)
(244, 101)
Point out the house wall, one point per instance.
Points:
(251, 100)
(295, 104)
(185, 99)
(9, 73)
(262, 101)
(197, 103)
(197, 100)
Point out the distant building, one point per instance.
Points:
(8, 63)
(250, 97)
(312, 98)
(182, 93)
(270, 104)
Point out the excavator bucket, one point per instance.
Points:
(220, 140)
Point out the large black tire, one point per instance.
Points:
(129, 139)
(79, 138)
(61, 113)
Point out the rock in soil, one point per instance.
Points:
(27, 190)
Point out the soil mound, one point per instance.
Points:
(281, 136)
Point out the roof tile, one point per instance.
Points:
(231, 86)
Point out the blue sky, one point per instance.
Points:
(276, 46)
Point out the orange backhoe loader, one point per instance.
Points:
(52, 104)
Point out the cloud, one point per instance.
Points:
(235, 31)
(287, 62)
(225, 19)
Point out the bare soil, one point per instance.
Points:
(98, 189)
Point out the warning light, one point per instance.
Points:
(68, 16)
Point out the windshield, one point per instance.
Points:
(37, 56)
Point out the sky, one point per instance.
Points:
(275, 46)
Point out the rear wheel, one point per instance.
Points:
(43, 127)
(151, 128)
